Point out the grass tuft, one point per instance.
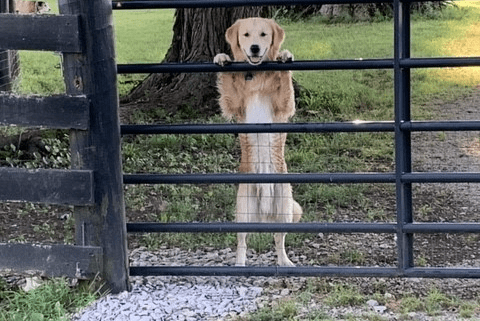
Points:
(54, 300)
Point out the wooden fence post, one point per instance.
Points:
(94, 73)
(5, 84)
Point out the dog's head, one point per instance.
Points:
(255, 40)
(41, 7)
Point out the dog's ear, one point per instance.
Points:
(277, 39)
(231, 35)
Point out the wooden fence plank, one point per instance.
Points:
(55, 260)
(40, 32)
(66, 187)
(62, 112)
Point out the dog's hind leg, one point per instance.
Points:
(241, 249)
(247, 208)
(282, 259)
(284, 213)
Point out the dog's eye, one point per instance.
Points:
(247, 34)
(263, 34)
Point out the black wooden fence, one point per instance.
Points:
(83, 33)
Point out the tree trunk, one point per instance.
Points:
(198, 35)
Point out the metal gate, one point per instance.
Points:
(402, 177)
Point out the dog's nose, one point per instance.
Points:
(254, 49)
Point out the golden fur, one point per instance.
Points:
(261, 97)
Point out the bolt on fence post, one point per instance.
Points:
(403, 151)
(94, 73)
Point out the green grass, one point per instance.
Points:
(150, 30)
(328, 295)
(142, 36)
(53, 301)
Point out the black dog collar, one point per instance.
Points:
(248, 76)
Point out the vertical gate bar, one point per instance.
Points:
(94, 73)
(403, 156)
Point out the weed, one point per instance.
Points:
(411, 304)
(344, 294)
(421, 261)
(442, 136)
(436, 301)
(376, 214)
(467, 309)
(51, 301)
(284, 311)
(424, 211)
(353, 257)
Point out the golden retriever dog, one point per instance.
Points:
(260, 97)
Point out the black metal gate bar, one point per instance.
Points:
(457, 228)
(403, 152)
(339, 271)
(266, 271)
(172, 4)
(263, 227)
(438, 177)
(329, 178)
(298, 65)
(345, 127)
(450, 125)
(439, 62)
(238, 66)
(356, 126)
(326, 178)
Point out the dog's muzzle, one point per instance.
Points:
(255, 58)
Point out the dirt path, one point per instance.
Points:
(451, 152)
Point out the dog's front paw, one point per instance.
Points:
(285, 56)
(222, 59)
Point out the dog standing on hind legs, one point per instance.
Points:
(260, 97)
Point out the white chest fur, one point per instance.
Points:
(259, 110)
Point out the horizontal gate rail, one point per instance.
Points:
(262, 227)
(166, 4)
(264, 271)
(305, 271)
(356, 126)
(40, 32)
(450, 125)
(333, 178)
(345, 127)
(298, 65)
(355, 227)
(238, 66)
(441, 228)
(438, 177)
(326, 178)
(52, 260)
(51, 186)
(60, 112)
(438, 62)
